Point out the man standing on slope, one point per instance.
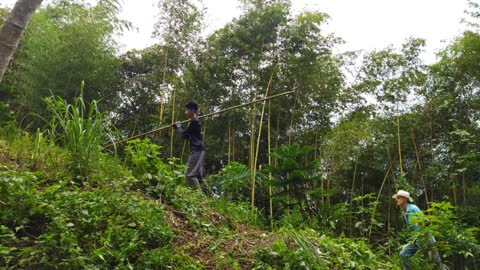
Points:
(197, 148)
(404, 201)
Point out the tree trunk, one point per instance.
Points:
(13, 29)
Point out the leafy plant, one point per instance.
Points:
(232, 182)
(456, 241)
(79, 127)
(295, 178)
(153, 176)
(306, 249)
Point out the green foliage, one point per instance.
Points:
(120, 221)
(153, 176)
(65, 44)
(79, 127)
(63, 228)
(405, 185)
(295, 177)
(390, 75)
(143, 157)
(306, 249)
(166, 258)
(458, 242)
(232, 182)
(179, 23)
(239, 212)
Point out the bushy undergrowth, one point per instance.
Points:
(136, 212)
(80, 128)
(307, 249)
(57, 227)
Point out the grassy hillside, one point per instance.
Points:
(116, 218)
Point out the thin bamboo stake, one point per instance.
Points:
(162, 103)
(183, 150)
(251, 158)
(291, 120)
(204, 132)
(421, 173)
(270, 192)
(203, 116)
(351, 192)
(399, 143)
(391, 162)
(233, 144)
(172, 132)
(464, 188)
(454, 190)
(378, 198)
(389, 213)
(258, 140)
(229, 142)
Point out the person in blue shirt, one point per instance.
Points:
(409, 210)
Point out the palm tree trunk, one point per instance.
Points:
(13, 29)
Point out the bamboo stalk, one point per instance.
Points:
(162, 103)
(421, 173)
(203, 116)
(291, 120)
(391, 162)
(464, 188)
(172, 132)
(351, 192)
(454, 190)
(184, 147)
(251, 158)
(229, 142)
(378, 198)
(270, 192)
(399, 143)
(233, 144)
(257, 150)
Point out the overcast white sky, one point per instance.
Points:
(363, 24)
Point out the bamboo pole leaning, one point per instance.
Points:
(270, 192)
(257, 150)
(202, 116)
(377, 200)
(421, 173)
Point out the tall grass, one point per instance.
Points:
(79, 127)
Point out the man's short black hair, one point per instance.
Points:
(192, 105)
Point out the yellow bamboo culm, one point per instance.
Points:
(421, 173)
(399, 144)
(270, 192)
(251, 159)
(172, 132)
(229, 142)
(254, 172)
(162, 103)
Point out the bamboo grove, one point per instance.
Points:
(327, 156)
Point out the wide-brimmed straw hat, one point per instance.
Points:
(403, 193)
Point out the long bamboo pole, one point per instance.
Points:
(162, 103)
(352, 191)
(399, 142)
(270, 192)
(229, 142)
(205, 115)
(257, 150)
(376, 201)
(421, 173)
(172, 132)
